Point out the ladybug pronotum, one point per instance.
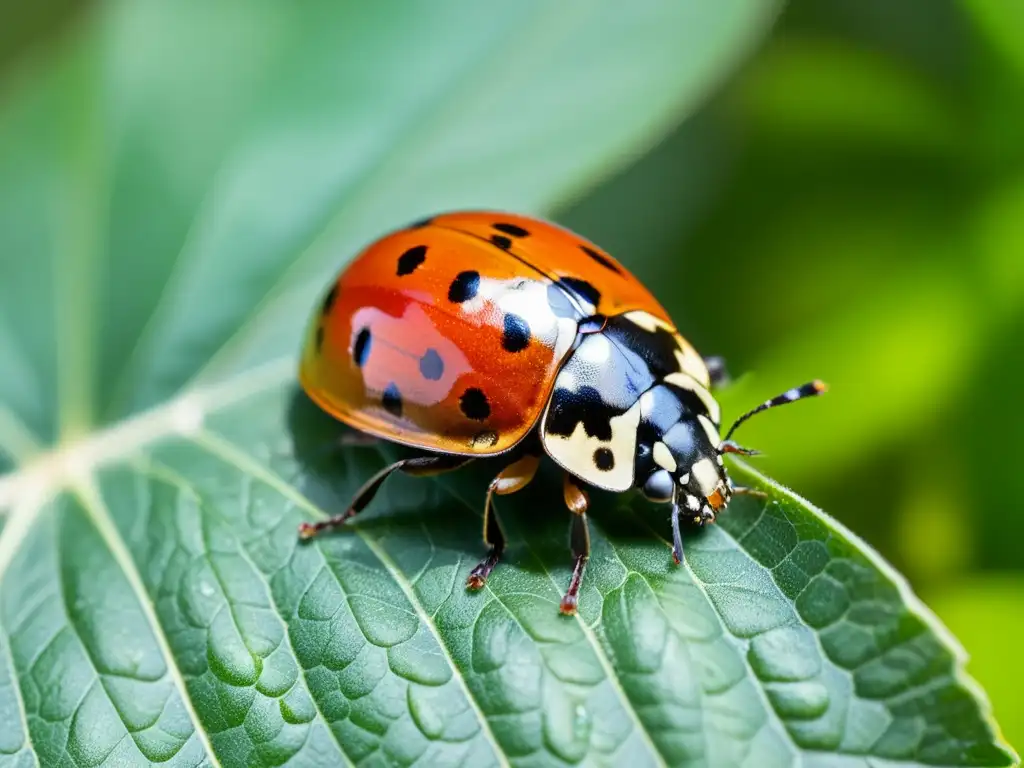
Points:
(474, 334)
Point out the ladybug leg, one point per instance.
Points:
(420, 466)
(512, 478)
(579, 536)
(677, 537)
(717, 371)
(728, 446)
(742, 490)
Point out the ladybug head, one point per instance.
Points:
(686, 465)
(686, 468)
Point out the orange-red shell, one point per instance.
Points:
(407, 347)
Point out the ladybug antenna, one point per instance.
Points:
(810, 389)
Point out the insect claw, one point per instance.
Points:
(728, 446)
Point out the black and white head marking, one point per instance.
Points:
(621, 390)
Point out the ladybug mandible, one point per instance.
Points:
(479, 333)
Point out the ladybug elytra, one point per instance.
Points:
(480, 333)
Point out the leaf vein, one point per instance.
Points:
(247, 464)
(627, 704)
(701, 586)
(96, 508)
(168, 475)
(8, 660)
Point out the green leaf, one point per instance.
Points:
(177, 182)
(987, 612)
(1001, 23)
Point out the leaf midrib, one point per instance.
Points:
(41, 477)
(24, 494)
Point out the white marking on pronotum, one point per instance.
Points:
(709, 429)
(663, 457)
(646, 320)
(686, 381)
(707, 476)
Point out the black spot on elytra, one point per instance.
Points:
(485, 439)
(604, 459)
(431, 365)
(516, 336)
(392, 400)
(361, 347)
(585, 406)
(474, 404)
(560, 303)
(501, 241)
(511, 229)
(583, 289)
(329, 299)
(601, 259)
(411, 259)
(422, 223)
(464, 286)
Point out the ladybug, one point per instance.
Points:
(478, 333)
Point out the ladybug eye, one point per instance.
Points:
(659, 486)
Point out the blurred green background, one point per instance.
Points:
(849, 205)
